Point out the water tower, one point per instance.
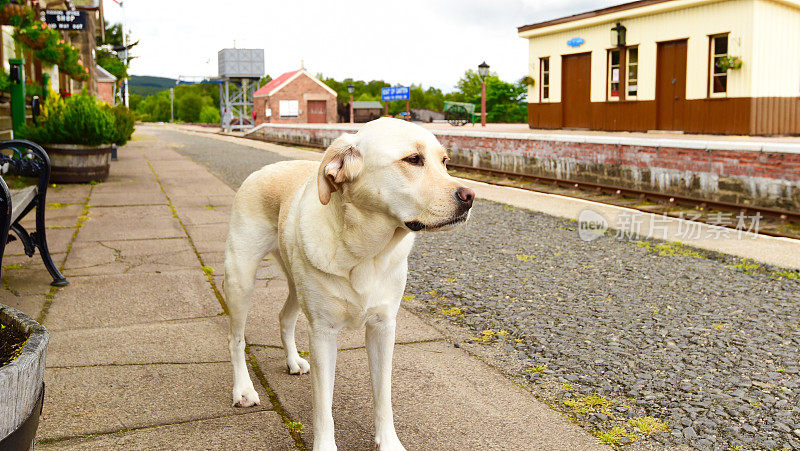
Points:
(239, 73)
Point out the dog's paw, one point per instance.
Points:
(388, 442)
(298, 365)
(245, 397)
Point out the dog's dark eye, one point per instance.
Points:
(444, 160)
(416, 160)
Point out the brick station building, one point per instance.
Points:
(666, 65)
(295, 97)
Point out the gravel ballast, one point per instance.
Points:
(611, 332)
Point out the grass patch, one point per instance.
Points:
(589, 404)
(567, 386)
(486, 336)
(525, 257)
(56, 205)
(14, 266)
(408, 297)
(294, 426)
(648, 425)
(538, 369)
(669, 249)
(791, 275)
(721, 326)
(454, 311)
(614, 435)
(748, 266)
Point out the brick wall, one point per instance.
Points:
(105, 92)
(301, 89)
(735, 173)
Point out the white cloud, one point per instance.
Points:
(416, 41)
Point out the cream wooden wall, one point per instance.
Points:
(764, 33)
(776, 50)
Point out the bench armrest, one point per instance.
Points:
(28, 159)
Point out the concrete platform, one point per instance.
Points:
(138, 357)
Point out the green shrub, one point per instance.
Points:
(209, 115)
(123, 122)
(79, 119)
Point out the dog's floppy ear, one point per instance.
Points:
(341, 162)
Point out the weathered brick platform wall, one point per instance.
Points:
(760, 173)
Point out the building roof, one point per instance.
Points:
(104, 75)
(284, 79)
(588, 14)
(619, 10)
(367, 105)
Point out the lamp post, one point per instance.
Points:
(483, 71)
(351, 89)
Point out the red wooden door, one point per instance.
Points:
(575, 88)
(671, 85)
(316, 112)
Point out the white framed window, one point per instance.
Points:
(718, 75)
(289, 108)
(544, 78)
(632, 81)
(613, 74)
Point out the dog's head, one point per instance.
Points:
(397, 168)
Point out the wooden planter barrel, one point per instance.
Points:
(75, 163)
(21, 386)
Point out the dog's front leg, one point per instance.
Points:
(380, 349)
(323, 371)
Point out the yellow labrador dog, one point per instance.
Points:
(341, 231)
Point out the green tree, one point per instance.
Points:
(190, 106)
(209, 115)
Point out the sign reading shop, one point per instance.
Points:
(65, 20)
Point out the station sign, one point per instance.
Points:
(65, 20)
(395, 93)
(575, 42)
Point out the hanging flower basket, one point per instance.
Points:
(729, 63)
(36, 36)
(528, 80)
(10, 12)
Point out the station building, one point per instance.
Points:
(295, 97)
(696, 66)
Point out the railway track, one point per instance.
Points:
(774, 222)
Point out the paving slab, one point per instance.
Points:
(185, 341)
(30, 305)
(148, 197)
(131, 256)
(130, 222)
(68, 193)
(208, 237)
(117, 300)
(202, 199)
(443, 399)
(251, 431)
(103, 399)
(204, 215)
(263, 328)
(31, 280)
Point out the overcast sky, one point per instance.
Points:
(416, 41)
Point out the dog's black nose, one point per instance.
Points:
(465, 197)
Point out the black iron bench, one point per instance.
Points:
(24, 158)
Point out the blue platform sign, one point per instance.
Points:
(395, 93)
(575, 42)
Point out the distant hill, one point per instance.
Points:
(146, 85)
